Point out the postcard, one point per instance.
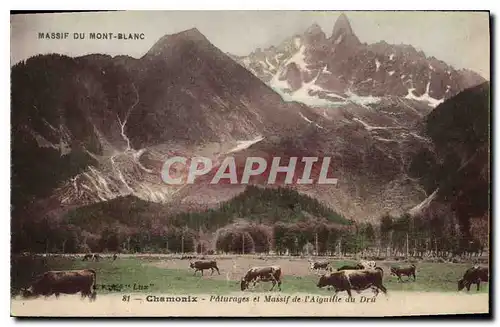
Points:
(250, 163)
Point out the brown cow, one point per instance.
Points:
(358, 280)
(65, 282)
(319, 265)
(404, 271)
(474, 275)
(347, 267)
(202, 265)
(262, 274)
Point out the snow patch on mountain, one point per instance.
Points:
(371, 128)
(305, 118)
(299, 59)
(424, 204)
(310, 121)
(384, 139)
(271, 66)
(424, 97)
(339, 39)
(241, 145)
(247, 61)
(277, 84)
(362, 100)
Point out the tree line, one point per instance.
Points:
(390, 236)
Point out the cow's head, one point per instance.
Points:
(322, 282)
(191, 264)
(243, 284)
(27, 292)
(360, 266)
(393, 271)
(461, 284)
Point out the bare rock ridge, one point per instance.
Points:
(314, 34)
(342, 32)
(320, 71)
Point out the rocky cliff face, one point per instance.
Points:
(456, 170)
(103, 126)
(329, 71)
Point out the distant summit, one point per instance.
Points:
(342, 32)
(320, 71)
(192, 35)
(314, 34)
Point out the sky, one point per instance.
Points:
(461, 39)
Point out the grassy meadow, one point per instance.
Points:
(173, 276)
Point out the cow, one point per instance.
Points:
(357, 280)
(63, 282)
(262, 274)
(97, 257)
(319, 265)
(202, 265)
(473, 275)
(87, 257)
(347, 267)
(404, 271)
(115, 256)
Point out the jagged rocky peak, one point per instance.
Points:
(342, 30)
(314, 34)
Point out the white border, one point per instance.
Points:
(194, 5)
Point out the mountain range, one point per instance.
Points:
(331, 71)
(399, 126)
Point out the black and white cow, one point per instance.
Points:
(357, 280)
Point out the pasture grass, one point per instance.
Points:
(124, 273)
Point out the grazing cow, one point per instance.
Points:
(115, 256)
(202, 265)
(357, 280)
(473, 275)
(87, 257)
(404, 271)
(63, 282)
(319, 265)
(262, 274)
(347, 267)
